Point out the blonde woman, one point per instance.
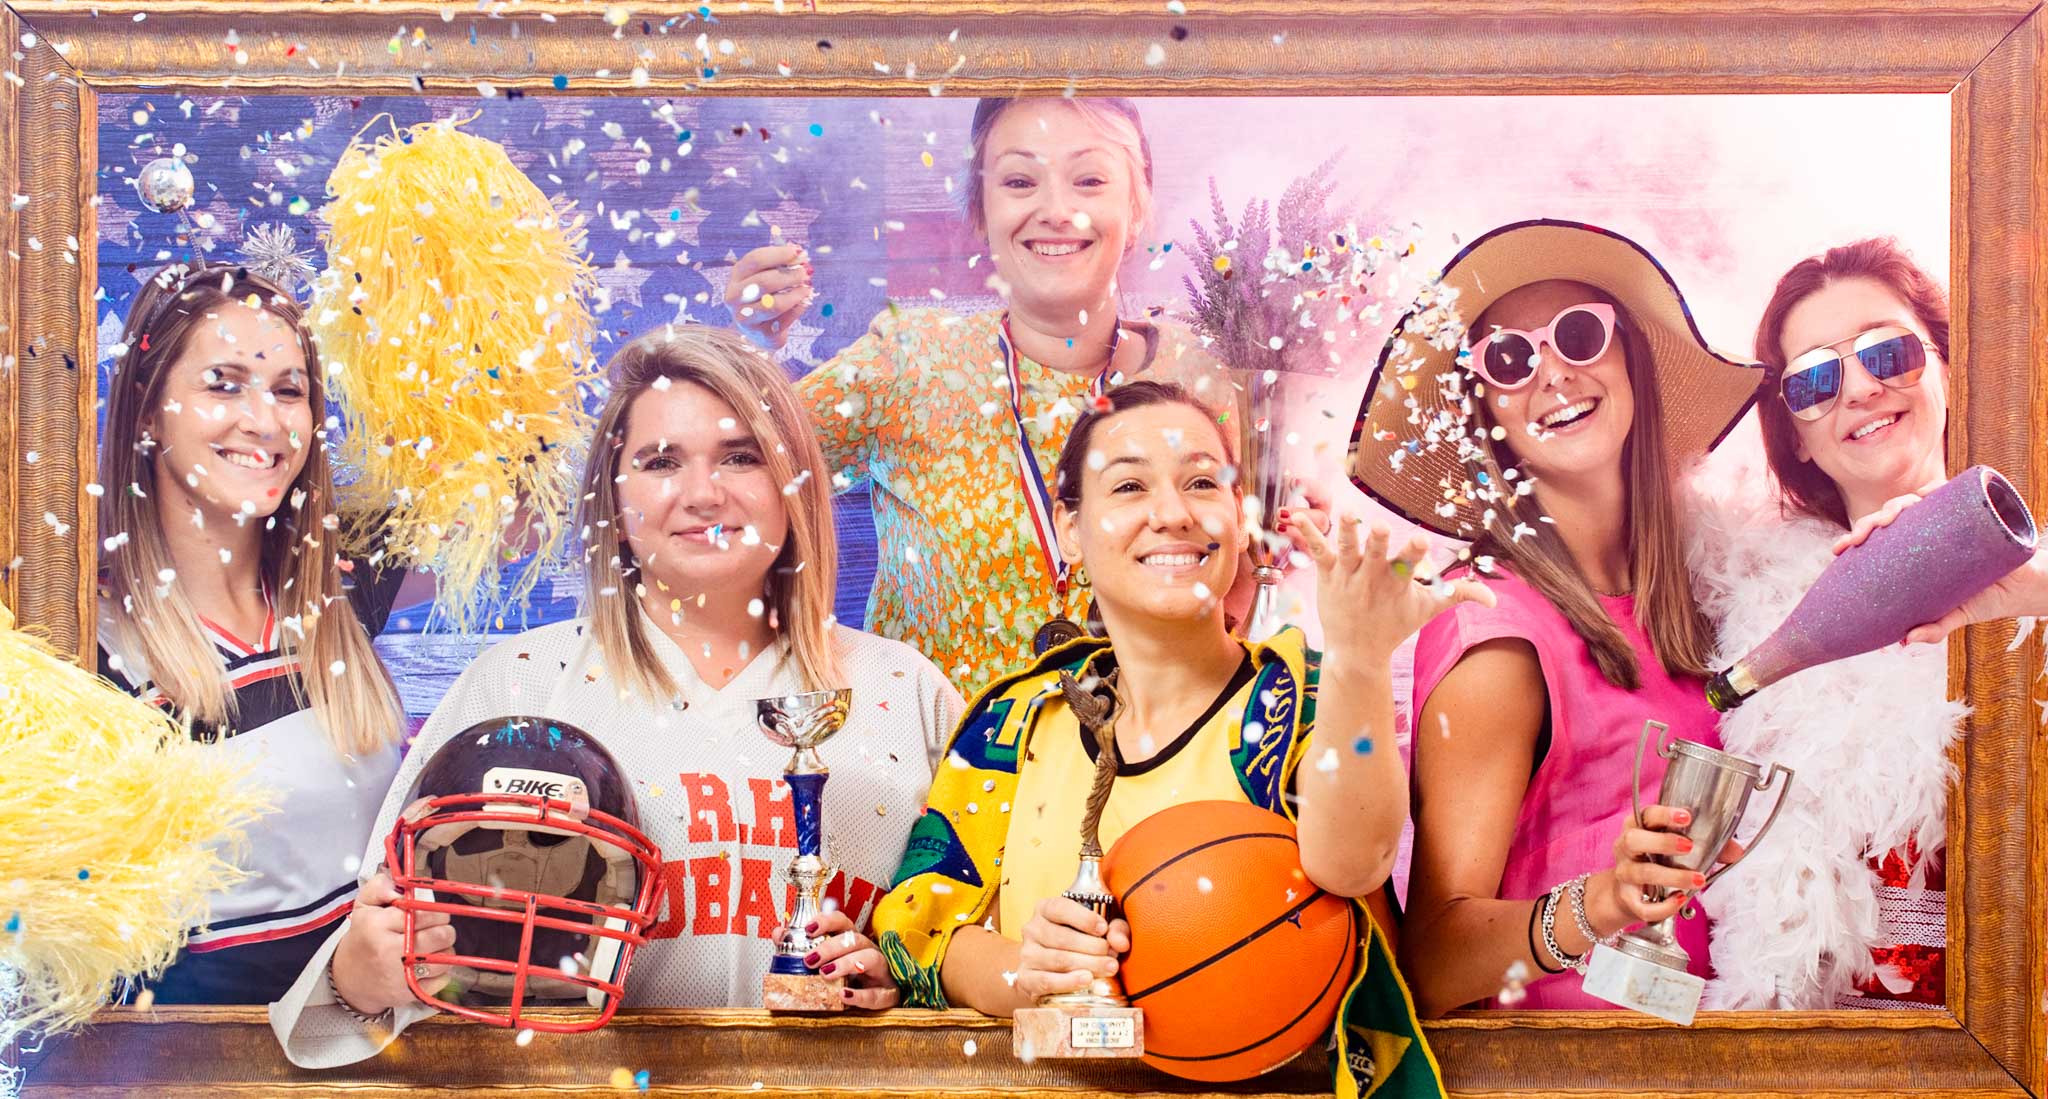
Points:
(707, 522)
(226, 597)
(955, 421)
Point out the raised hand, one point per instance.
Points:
(1369, 602)
(769, 289)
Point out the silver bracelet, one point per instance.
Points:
(1577, 892)
(379, 1019)
(1575, 962)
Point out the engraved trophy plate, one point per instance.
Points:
(1096, 1021)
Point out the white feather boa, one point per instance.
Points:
(1794, 921)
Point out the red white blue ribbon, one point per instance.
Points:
(1037, 498)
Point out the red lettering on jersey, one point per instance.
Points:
(708, 796)
(711, 892)
(774, 813)
(851, 896)
(672, 877)
(757, 899)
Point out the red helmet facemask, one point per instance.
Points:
(549, 897)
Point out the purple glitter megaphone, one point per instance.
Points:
(1960, 539)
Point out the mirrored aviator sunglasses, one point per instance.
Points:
(1507, 358)
(1896, 357)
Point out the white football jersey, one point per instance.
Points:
(711, 797)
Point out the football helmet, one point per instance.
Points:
(524, 831)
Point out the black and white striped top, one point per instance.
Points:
(303, 857)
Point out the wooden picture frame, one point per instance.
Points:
(1989, 56)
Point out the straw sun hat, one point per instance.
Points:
(1416, 446)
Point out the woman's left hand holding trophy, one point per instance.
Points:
(843, 951)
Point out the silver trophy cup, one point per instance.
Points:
(803, 722)
(1646, 969)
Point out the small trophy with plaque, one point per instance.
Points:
(1095, 1021)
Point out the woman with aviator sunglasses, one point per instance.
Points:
(1844, 906)
(1545, 433)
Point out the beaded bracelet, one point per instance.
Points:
(1574, 962)
(1578, 898)
(378, 1019)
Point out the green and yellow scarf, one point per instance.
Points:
(952, 864)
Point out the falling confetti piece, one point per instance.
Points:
(524, 1038)
(622, 1077)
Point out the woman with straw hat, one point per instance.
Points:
(1546, 434)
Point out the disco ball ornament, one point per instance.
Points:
(165, 184)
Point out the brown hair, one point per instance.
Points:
(159, 626)
(1068, 473)
(1116, 118)
(1805, 489)
(801, 582)
(1657, 574)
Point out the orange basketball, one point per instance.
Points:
(1238, 960)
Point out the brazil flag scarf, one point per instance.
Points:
(951, 866)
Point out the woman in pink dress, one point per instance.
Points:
(1545, 432)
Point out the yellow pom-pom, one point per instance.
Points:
(453, 318)
(133, 823)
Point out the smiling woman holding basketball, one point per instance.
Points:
(1147, 505)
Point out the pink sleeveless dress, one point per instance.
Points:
(1578, 799)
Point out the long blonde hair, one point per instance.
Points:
(1664, 603)
(157, 623)
(804, 577)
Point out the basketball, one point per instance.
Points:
(1237, 959)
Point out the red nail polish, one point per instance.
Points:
(1684, 845)
(1681, 816)
(1699, 881)
(828, 967)
(811, 928)
(811, 959)
(1284, 513)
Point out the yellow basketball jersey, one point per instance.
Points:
(1052, 792)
